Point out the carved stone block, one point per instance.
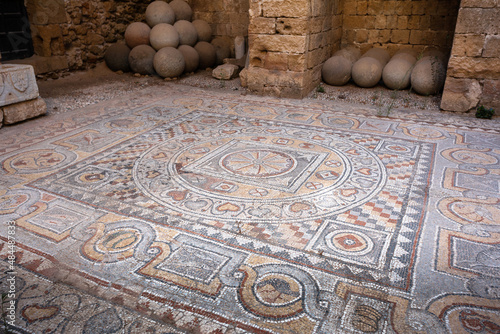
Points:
(17, 84)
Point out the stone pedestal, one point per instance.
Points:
(19, 94)
(21, 111)
(17, 84)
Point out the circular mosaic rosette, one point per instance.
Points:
(259, 174)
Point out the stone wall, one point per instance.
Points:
(474, 69)
(289, 40)
(396, 23)
(227, 17)
(74, 32)
(93, 23)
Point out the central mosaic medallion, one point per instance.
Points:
(253, 176)
(258, 163)
(255, 163)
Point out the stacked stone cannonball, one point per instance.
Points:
(397, 72)
(425, 76)
(337, 70)
(169, 44)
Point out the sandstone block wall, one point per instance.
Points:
(289, 41)
(473, 76)
(397, 23)
(227, 17)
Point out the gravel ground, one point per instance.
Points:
(384, 99)
(79, 89)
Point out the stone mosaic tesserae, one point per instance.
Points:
(195, 212)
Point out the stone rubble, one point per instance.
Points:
(226, 72)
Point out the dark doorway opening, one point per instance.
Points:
(15, 34)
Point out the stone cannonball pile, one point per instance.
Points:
(182, 10)
(222, 49)
(164, 35)
(207, 53)
(136, 34)
(425, 76)
(367, 71)
(141, 59)
(169, 44)
(396, 74)
(187, 32)
(203, 30)
(159, 12)
(191, 58)
(337, 70)
(169, 62)
(116, 57)
(428, 75)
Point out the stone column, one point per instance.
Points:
(288, 42)
(473, 76)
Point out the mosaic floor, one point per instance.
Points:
(192, 212)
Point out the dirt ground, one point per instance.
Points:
(78, 89)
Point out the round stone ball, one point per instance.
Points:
(116, 57)
(187, 33)
(409, 57)
(436, 54)
(336, 71)
(169, 62)
(378, 53)
(397, 73)
(407, 50)
(203, 30)
(182, 10)
(137, 33)
(159, 12)
(222, 49)
(141, 59)
(191, 58)
(351, 52)
(428, 76)
(366, 72)
(207, 53)
(163, 35)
